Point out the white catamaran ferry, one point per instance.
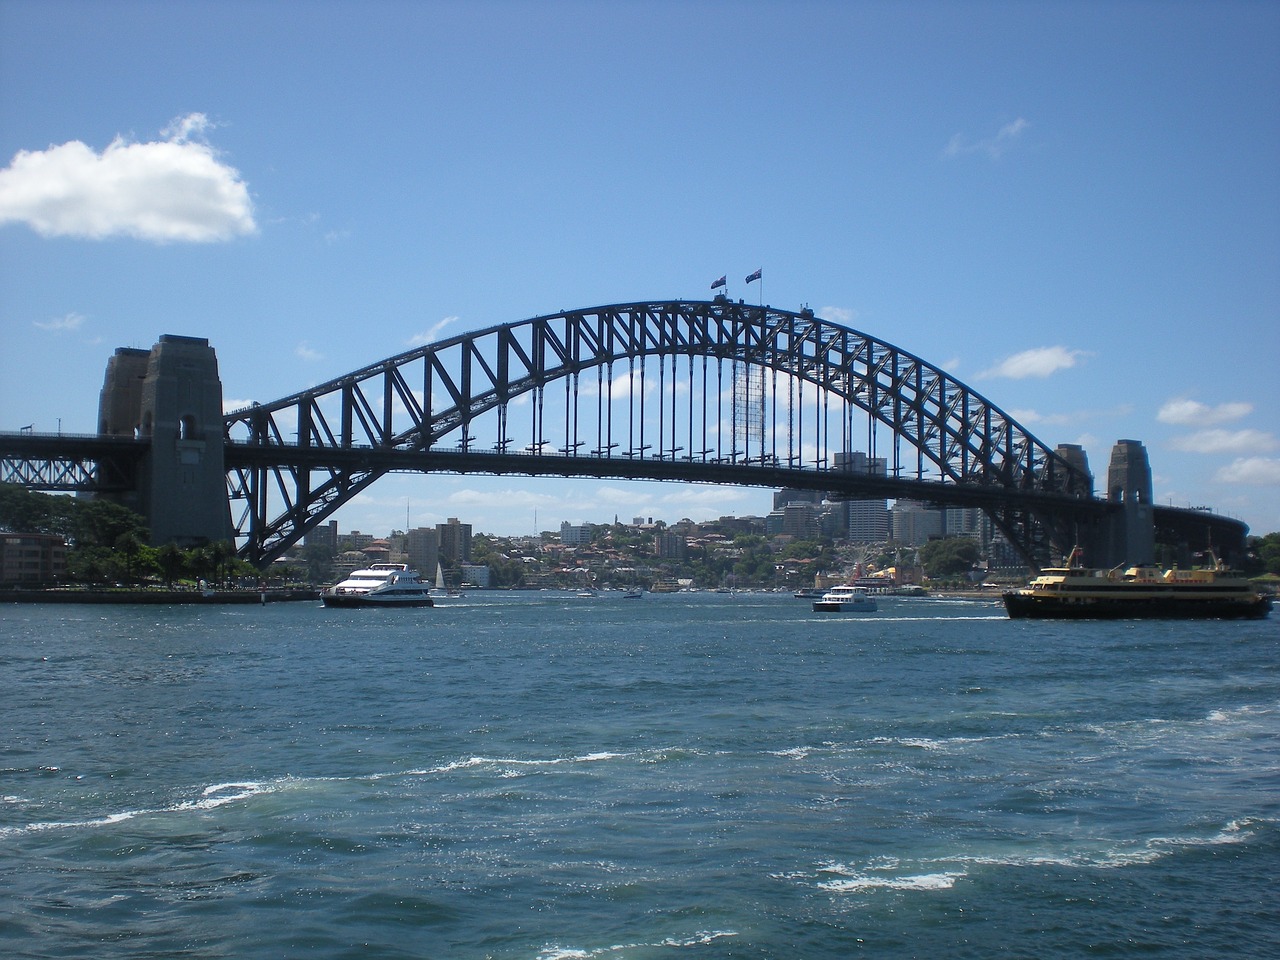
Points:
(380, 585)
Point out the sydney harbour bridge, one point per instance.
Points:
(710, 392)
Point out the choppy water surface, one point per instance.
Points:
(545, 776)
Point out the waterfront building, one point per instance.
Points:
(32, 558)
(475, 574)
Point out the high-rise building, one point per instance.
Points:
(788, 495)
(867, 521)
(797, 519)
(575, 535)
(968, 522)
(455, 541)
(913, 523)
(325, 537)
(423, 547)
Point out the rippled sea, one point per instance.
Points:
(545, 776)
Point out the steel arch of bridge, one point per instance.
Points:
(709, 391)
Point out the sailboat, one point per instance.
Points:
(440, 584)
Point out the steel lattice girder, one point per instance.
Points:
(415, 400)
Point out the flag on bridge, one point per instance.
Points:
(753, 276)
(722, 282)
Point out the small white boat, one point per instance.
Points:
(380, 585)
(845, 599)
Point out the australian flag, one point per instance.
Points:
(753, 276)
(722, 282)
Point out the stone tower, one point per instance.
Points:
(172, 396)
(1075, 455)
(1133, 532)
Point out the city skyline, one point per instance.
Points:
(1070, 208)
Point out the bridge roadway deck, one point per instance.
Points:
(753, 474)
(1195, 525)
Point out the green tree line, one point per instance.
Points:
(108, 543)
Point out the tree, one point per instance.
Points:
(948, 557)
(1263, 555)
(101, 523)
(172, 562)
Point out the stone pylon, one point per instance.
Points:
(1132, 532)
(172, 396)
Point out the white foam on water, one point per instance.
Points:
(793, 753)
(925, 882)
(557, 952)
(885, 873)
(1115, 854)
(941, 873)
(932, 743)
(6, 832)
(1237, 714)
(212, 797)
(224, 793)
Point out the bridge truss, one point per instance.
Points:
(715, 391)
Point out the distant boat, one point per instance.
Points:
(809, 593)
(380, 585)
(845, 599)
(440, 584)
(633, 594)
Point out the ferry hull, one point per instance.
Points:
(1021, 606)
(844, 606)
(349, 600)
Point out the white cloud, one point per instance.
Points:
(304, 351)
(1187, 412)
(431, 334)
(838, 315)
(1226, 441)
(1035, 417)
(505, 499)
(1067, 417)
(173, 190)
(994, 147)
(1250, 470)
(72, 321)
(1038, 362)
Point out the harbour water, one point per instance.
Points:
(545, 776)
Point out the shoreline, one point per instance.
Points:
(124, 596)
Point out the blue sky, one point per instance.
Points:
(1074, 208)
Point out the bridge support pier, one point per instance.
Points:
(1129, 534)
(172, 396)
